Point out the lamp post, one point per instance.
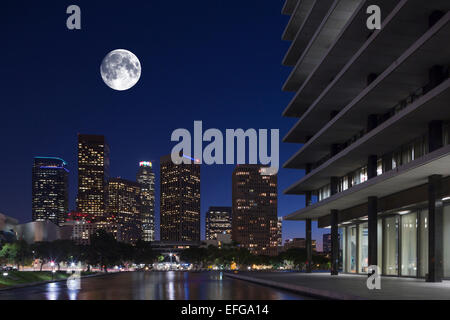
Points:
(52, 264)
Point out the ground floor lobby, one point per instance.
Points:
(402, 238)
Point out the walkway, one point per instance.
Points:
(346, 286)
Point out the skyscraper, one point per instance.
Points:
(180, 201)
(93, 167)
(49, 189)
(146, 178)
(217, 221)
(254, 209)
(124, 203)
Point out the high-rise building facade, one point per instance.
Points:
(124, 204)
(217, 221)
(93, 168)
(255, 209)
(179, 201)
(277, 233)
(298, 243)
(326, 243)
(49, 189)
(146, 178)
(374, 125)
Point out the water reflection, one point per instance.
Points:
(153, 286)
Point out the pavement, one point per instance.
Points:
(348, 287)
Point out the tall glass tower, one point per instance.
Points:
(180, 201)
(49, 189)
(146, 178)
(93, 167)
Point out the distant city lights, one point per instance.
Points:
(145, 164)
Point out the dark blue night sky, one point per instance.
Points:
(218, 61)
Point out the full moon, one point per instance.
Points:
(120, 69)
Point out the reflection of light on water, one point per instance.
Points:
(171, 286)
(52, 291)
(73, 295)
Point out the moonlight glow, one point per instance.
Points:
(120, 69)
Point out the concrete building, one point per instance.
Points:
(372, 115)
(179, 201)
(217, 221)
(255, 209)
(219, 241)
(299, 243)
(50, 198)
(7, 228)
(38, 231)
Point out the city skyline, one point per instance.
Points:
(100, 141)
(138, 123)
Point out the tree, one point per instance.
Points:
(17, 253)
(143, 253)
(41, 250)
(194, 255)
(105, 247)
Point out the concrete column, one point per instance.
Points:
(334, 243)
(308, 167)
(308, 245)
(372, 122)
(436, 75)
(387, 162)
(349, 179)
(372, 166)
(372, 209)
(333, 114)
(371, 78)
(435, 136)
(334, 185)
(308, 200)
(435, 230)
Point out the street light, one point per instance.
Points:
(52, 264)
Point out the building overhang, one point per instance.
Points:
(406, 23)
(303, 26)
(299, 16)
(396, 129)
(330, 27)
(289, 7)
(407, 176)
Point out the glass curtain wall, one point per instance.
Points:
(342, 245)
(363, 234)
(351, 249)
(423, 243)
(409, 244)
(380, 244)
(446, 241)
(391, 245)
